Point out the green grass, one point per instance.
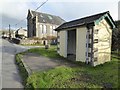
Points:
(77, 77)
(50, 78)
(51, 52)
(22, 71)
(32, 44)
(81, 76)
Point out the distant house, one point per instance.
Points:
(13, 34)
(42, 25)
(87, 39)
(5, 33)
(21, 33)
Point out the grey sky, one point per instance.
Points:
(15, 11)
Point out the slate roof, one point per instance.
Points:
(82, 21)
(47, 18)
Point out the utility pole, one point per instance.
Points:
(9, 33)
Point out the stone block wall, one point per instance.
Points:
(27, 41)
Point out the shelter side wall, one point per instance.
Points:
(63, 43)
(81, 44)
(104, 36)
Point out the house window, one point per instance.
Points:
(44, 28)
(95, 58)
(54, 30)
(41, 15)
(53, 27)
(41, 28)
(95, 40)
(50, 29)
(96, 31)
(43, 20)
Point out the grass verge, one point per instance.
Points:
(82, 76)
(22, 70)
(32, 44)
(102, 76)
(51, 52)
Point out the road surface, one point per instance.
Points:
(10, 75)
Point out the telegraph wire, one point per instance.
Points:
(41, 5)
(26, 17)
(19, 22)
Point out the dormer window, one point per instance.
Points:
(41, 15)
(43, 20)
(50, 17)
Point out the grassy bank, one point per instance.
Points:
(32, 44)
(82, 76)
(101, 76)
(22, 70)
(51, 52)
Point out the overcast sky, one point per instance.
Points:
(13, 11)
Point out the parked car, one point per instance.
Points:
(4, 37)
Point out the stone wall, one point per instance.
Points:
(27, 41)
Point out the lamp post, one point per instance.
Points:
(9, 33)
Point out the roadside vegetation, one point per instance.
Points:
(102, 76)
(51, 52)
(116, 37)
(21, 68)
(32, 44)
(80, 76)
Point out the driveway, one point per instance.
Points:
(35, 62)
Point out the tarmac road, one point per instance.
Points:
(10, 74)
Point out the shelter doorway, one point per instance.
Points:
(71, 44)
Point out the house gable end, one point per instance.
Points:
(29, 14)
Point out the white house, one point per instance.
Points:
(21, 32)
(87, 39)
(42, 25)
